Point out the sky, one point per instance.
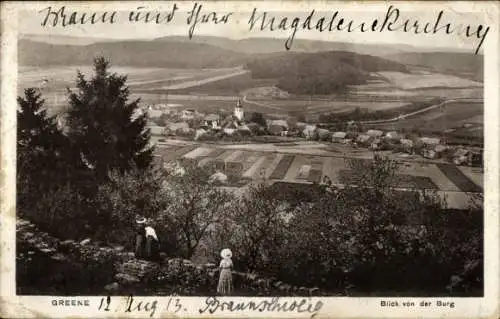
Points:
(238, 26)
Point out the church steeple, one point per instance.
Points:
(238, 111)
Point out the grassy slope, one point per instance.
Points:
(130, 53)
(461, 64)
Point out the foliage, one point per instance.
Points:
(320, 72)
(365, 237)
(258, 219)
(102, 125)
(258, 118)
(42, 147)
(122, 198)
(195, 204)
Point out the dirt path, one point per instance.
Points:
(188, 84)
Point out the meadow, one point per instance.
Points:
(453, 117)
(411, 81)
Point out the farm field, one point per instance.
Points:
(454, 115)
(150, 78)
(409, 81)
(208, 90)
(307, 167)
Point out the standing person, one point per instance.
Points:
(152, 243)
(140, 237)
(147, 245)
(225, 286)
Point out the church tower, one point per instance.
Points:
(238, 111)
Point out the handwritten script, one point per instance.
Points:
(212, 305)
(392, 20)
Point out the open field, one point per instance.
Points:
(209, 90)
(303, 164)
(453, 115)
(427, 80)
(138, 79)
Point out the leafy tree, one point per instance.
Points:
(195, 204)
(258, 118)
(122, 197)
(259, 219)
(104, 125)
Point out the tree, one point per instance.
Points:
(104, 125)
(195, 204)
(40, 142)
(258, 118)
(124, 196)
(259, 220)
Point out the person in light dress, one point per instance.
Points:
(225, 286)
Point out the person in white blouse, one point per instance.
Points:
(147, 244)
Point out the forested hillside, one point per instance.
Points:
(319, 73)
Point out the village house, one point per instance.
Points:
(430, 140)
(277, 126)
(337, 137)
(376, 143)
(464, 156)
(187, 115)
(157, 130)
(171, 128)
(374, 133)
(212, 121)
(323, 134)
(309, 132)
(393, 136)
(407, 145)
(363, 139)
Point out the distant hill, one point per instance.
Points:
(319, 73)
(129, 53)
(65, 39)
(277, 45)
(457, 63)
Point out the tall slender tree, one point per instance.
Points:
(41, 145)
(105, 126)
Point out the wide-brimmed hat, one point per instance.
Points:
(141, 220)
(226, 253)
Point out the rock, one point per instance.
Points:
(47, 250)
(67, 242)
(22, 222)
(59, 257)
(112, 287)
(277, 284)
(85, 241)
(262, 283)
(126, 278)
(251, 276)
(286, 287)
(313, 291)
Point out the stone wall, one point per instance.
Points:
(166, 277)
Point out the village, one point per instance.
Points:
(237, 126)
